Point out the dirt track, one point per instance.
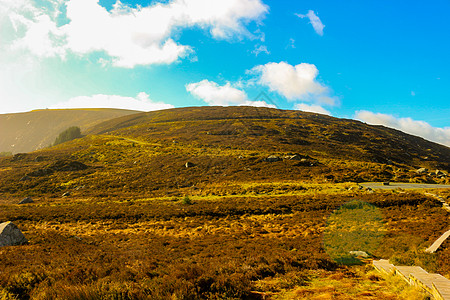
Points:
(396, 185)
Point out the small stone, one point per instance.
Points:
(26, 200)
(189, 164)
(422, 171)
(273, 158)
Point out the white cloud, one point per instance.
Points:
(225, 95)
(294, 82)
(141, 102)
(291, 44)
(260, 49)
(130, 36)
(312, 108)
(408, 125)
(42, 37)
(314, 20)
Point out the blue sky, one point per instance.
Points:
(382, 62)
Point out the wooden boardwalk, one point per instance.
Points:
(433, 248)
(445, 205)
(434, 284)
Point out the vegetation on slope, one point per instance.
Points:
(69, 134)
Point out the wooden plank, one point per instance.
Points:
(407, 271)
(383, 265)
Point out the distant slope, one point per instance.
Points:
(280, 130)
(25, 132)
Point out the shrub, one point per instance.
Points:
(69, 134)
(187, 200)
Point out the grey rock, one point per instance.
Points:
(273, 158)
(422, 171)
(359, 253)
(26, 200)
(298, 157)
(10, 235)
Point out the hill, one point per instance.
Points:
(146, 153)
(26, 132)
(280, 130)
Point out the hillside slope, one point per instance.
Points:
(218, 151)
(280, 130)
(25, 132)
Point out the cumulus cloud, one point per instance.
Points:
(314, 20)
(294, 82)
(225, 95)
(130, 36)
(141, 102)
(312, 108)
(408, 125)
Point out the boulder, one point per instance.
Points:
(10, 235)
(26, 200)
(298, 157)
(422, 171)
(359, 254)
(273, 158)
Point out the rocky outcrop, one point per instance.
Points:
(10, 235)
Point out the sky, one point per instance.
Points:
(381, 62)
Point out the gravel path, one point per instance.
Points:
(396, 185)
